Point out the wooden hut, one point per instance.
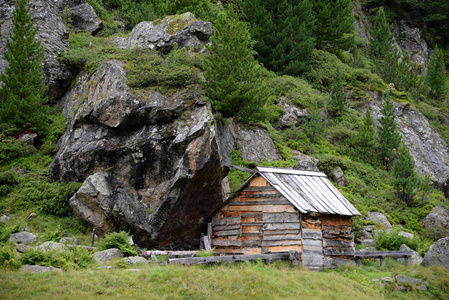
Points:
(278, 210)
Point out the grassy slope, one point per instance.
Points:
(233, 281)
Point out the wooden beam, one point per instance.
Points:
(168, 253)
(227, 258)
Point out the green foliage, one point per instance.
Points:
(334, 24)
(119, 240)
(382, 36)
(110, 25)
(233, 75)
(404, 176)
(204, 253)
(389, 137)
(284, 33)
(365, 140)
(339, 101)
(147, 68)
(392, 241)
(314, 126)
(59, 258)
(22, 93)
(8, 256)
(436, 75)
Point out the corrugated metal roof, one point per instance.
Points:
(308, 191)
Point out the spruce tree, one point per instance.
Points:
(436, 76)
(405, 180)
(339, 100)
(365, 140)
(382, 37)
(334, 28)
(389, 137)
(22, 93)
(232, 71)
(283, 31)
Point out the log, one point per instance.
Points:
(281, 217)
(281, 226)
(281, 237)
(258, 202)
(337, 243)
(168, 253)
(280, 232)
(226, 227)
(226, 242)
(228, 232)
(315, 243)
(311, 234)
(339, 251)
(226, 221)
(281, 243)
(227, 258)
(207, 243)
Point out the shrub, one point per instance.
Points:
(118, 240)
(58, 258)
(8, 256)
(392, 241)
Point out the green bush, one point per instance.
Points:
(8, 256)
(392, 241)
(59, 258)
(118, 240)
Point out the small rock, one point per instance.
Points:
(39, 269)
(32, 216)
(51, 245)
(406, 234)
(23, 238)
(369, 242)
(400, 279)
(4, 218)
(104, 267)
(69, 240)
(386, 279)
(132, 260)
(154, 258)
(103, 257)
(422, 287)
(28, 138)
(21, 248)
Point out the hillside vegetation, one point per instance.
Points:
(261, 52)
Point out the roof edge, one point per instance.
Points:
(289, 171)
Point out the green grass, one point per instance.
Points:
(231, 281)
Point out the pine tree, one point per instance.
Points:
(284, 33)
(365, 140)
(436, 76)
(339, 100)
(405, 180)
(22, 93)
(382, 37)
(232, 71)
(334, 24)
(389, 137)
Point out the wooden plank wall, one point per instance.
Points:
(257, 221)
(338, 238)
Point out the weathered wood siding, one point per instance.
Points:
(257, 220)
(338, 238)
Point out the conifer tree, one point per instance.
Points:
(365, 139)
(405, 180)
(436, 76)
(389, 137)
(283, 31)
(232, 71)
(334, 28)
(382, 37)
(339, 100)
(22, 93)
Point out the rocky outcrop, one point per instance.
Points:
(338, 176)
(254, 143)
(84, 18)
(362, 24)
(409, 40)
(305, 162)
(184, 30)
(54, 36)
(292, 115)
(105, 256)
(152, 163)
(438, 254)
(428, 149)
(438, 217)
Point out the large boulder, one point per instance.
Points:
(379, 218)
(305, 162)
(438, 254)
(428, 149)
(84, 18)
(107, 255)
(184, 30)
(151, 163)
(54, 36)
(23, 238)
(416, 259)
(438, 217)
